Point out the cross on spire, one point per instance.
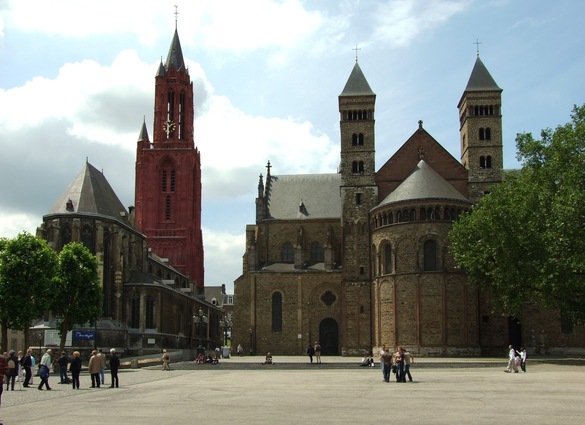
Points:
(477, 43)
(356, 52)
(176, 15)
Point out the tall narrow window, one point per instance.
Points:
(360, 139)
(354, 167)
(481, 134)
(488, 162)
(361, 167)
(316, 252)
(66, 234)
(488, 134)
(482, 162)
(358, 198)
(430, 256)
(287, 252)
(164, 180)
(149, 312)
(87, 238)
(354, 139)
(167, 207)
(387, 259)
(181, 124)
(276, 312)
(135, 312)
(172, 180)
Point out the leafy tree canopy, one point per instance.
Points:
(77, 293)
(526, 239)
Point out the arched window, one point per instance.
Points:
(481, 134)
(276, 312)
(360, 139)
(488, 162)
(488, 134)
(66, 234)
(423, 214)
(87, 238)
(316, 252)
(482, 162)
(149, 322)
(361, 166)
(387, 259)
(412, 215)
(354, 167)
(287, 253)
(430, 256)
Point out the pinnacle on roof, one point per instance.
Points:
(143, 136)
(357, 85)
(175, 55)
(480, 78)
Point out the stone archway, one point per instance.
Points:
(329, 337)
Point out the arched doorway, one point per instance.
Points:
(329, 337)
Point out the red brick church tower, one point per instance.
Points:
(168, 172)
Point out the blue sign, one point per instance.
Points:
(87, 335)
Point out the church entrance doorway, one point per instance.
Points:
(329, 337)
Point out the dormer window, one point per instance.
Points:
(69, 205)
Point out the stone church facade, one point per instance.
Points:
(151, 255)
(360, 258)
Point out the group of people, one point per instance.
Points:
(202, 359)
(21, 365)
(314, 351)
(516, 358)
(397, 362)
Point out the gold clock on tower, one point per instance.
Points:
(169, 126)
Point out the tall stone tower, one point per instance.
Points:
(168, 172)
(359, 194)
(480, 117)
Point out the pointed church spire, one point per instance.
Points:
(175, 55)
(480, 79)
(357, 85)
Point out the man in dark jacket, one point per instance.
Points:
(114, 366)
(26, 363)
(63, 362)
(12, 370)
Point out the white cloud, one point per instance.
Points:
(223, 253)
(11, 224)
(398, 22)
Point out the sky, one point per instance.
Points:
(77, 82)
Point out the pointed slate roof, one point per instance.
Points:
(357, 85)
(423, 183)
(89, 192)
(143, 136)
(175, 55)
(480, 78)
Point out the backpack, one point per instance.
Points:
(11, 364)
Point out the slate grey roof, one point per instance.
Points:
(357, 85)
(423, 183)
(91, 193)
(175, 55)
(480, 78)
(318, 194)
(143, 136)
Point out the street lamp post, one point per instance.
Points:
(200, 320)
(226, 324)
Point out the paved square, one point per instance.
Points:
(547, 394)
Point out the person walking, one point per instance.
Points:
(408, 360)
(380, 356)
(63, 361)
(3, 371)
(511, 360)
(399, 362)
(317, 352)
(523, 359)
(386, 360)
(45, 369)
(114, 366)
(12, 361)
(75, 369)
(240, 350)
(166, 360)
(27, 364)
(94, 367)
(102, 358)
(310, 352)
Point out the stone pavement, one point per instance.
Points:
(240, 390)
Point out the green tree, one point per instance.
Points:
(77, 293)
(27, 267)
(526, 239)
